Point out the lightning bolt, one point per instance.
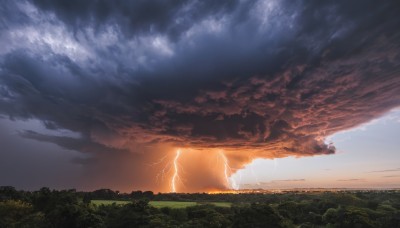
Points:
(227, 171)
(164, 170)
(176, 170)
(226, 166)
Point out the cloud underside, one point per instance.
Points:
(257, 79)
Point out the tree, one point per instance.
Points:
(256, 215)
(206, 216)
(15, 213)
(135, 214)
(9, 192)
(348, 217)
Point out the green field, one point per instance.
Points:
(160, 204)
(171, 204)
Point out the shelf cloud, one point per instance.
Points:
(257, 79)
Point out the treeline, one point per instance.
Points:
(69, 208)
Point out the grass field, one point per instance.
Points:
(160, 204)
(171, 204)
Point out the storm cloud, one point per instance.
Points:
(258, 79)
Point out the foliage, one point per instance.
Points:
(15, 213)
(161, 204)
(107, 208)
(257, 215)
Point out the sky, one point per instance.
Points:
(366, 157)
(192, 96)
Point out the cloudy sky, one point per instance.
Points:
(264, 93)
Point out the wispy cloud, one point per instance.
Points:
(353, 179)
(385, 170)
(289, 180)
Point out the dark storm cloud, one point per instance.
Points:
(132, 17)
(29, 164)
(272, 77)
(70, 143)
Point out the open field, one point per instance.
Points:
(160, 204)
(171, 204)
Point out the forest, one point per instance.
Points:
(71, 208)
